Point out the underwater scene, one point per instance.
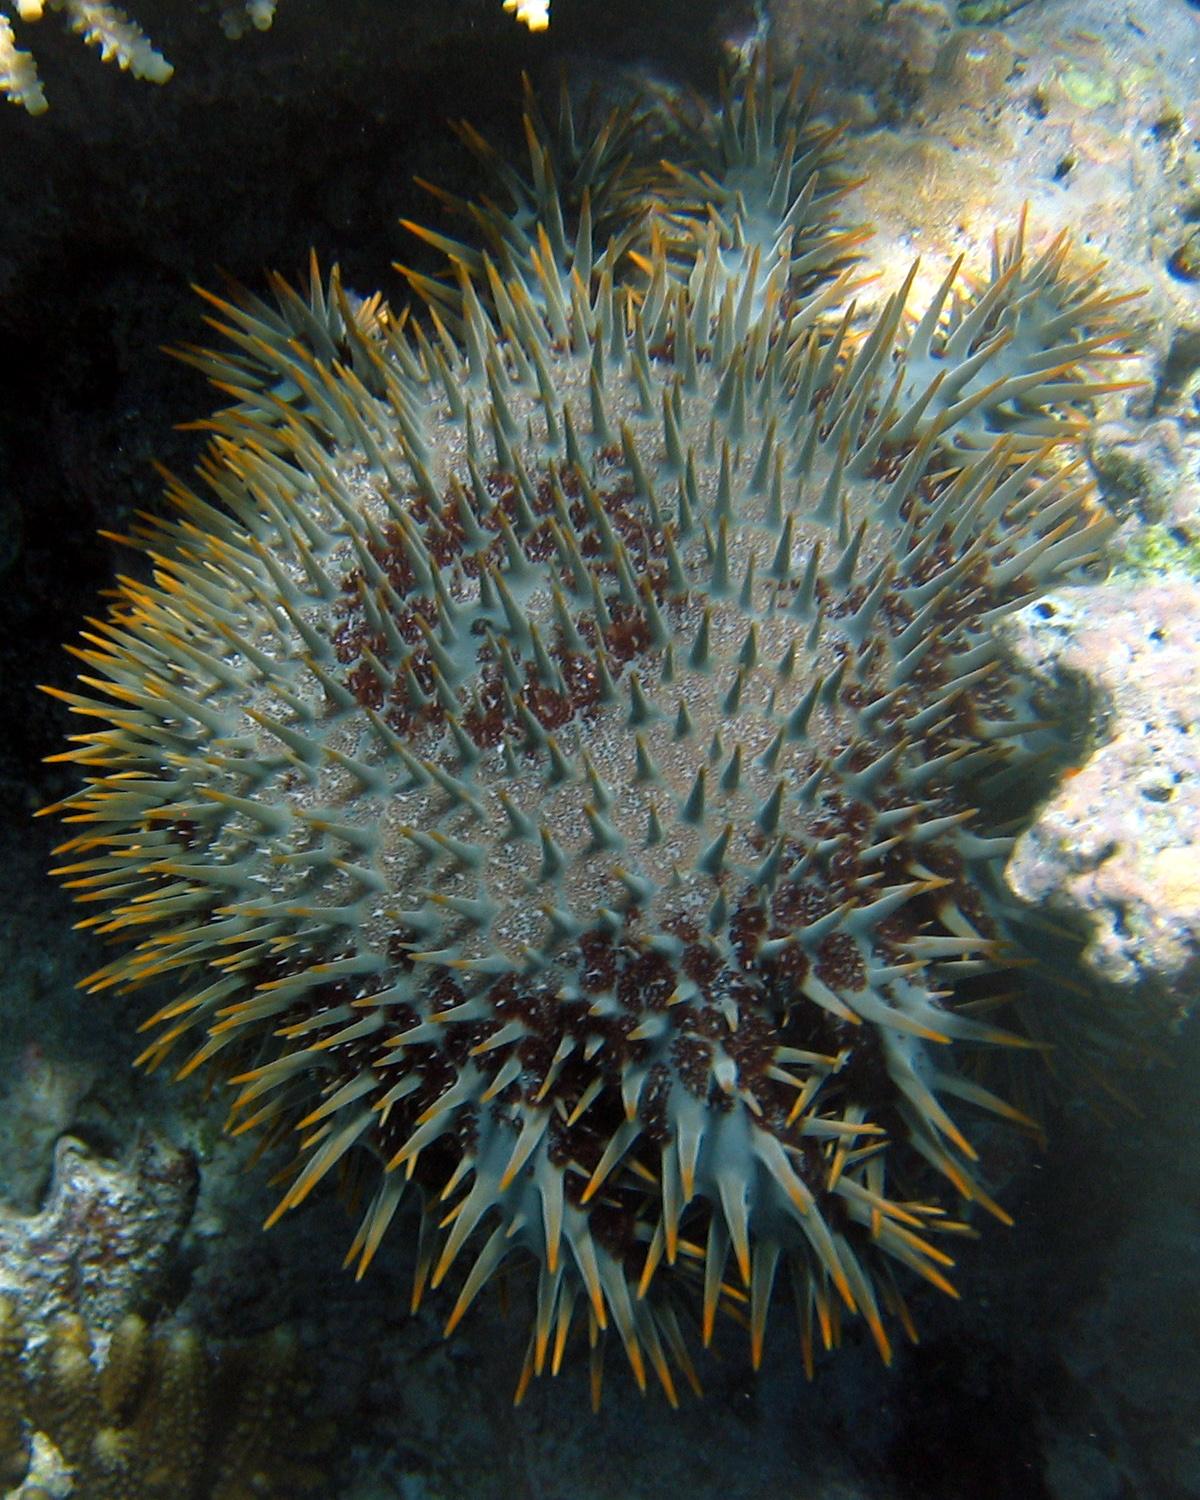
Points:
(600, 700)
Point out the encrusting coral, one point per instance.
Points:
(164, 1416)
(543, 762)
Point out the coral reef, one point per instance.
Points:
(544, 765)
(1077, 111)
(1067, 109)
(164, 1415)
(870, 60)
(1148, 475)
(1117, 846)
(103, 1241)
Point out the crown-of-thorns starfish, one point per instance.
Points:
(538, 761)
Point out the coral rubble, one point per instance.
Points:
(543, 762)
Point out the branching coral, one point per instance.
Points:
(120, 39)
(100, 24)
(532, 13)
(163, 1416)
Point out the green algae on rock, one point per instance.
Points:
(540, 761)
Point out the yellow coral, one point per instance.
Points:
(14, 1433)
(163, 1415)
(532, 13)
(18, 72)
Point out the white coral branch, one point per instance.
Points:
(18, 72)
(238, 16)
(117, 37)
(532, 13)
